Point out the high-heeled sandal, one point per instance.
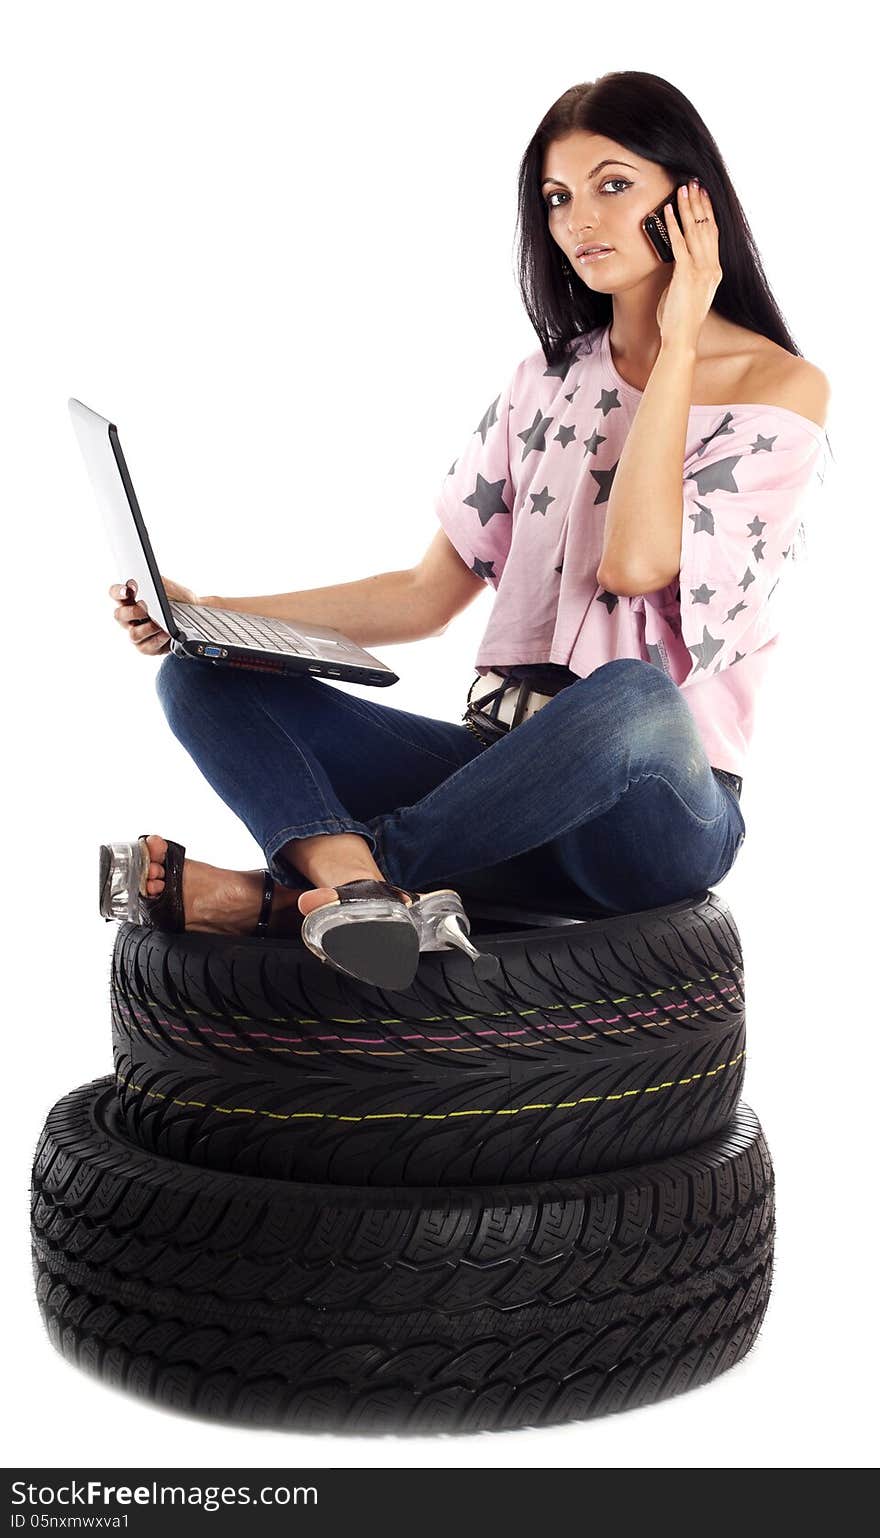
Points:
(380, 940)
(366, 932)
(123, 873)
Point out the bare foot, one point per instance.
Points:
(224, 901)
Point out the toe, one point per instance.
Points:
(315, 897)
(158, 848)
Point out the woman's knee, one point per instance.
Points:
(635, 694)
(181, 681)
(188, 688)
(639, 712)
(632, 675)
(174, 676)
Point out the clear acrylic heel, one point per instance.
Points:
(442, 923)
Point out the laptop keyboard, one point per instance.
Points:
(249, 630)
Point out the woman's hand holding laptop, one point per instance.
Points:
(147, 636)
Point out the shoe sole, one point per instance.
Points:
(367, 951)
(380, 948)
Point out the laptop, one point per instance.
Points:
(224, 637)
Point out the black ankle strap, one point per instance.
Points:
(262, 925)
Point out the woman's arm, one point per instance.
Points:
(646, 506)
(384, 610)
(642, 549)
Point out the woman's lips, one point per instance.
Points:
(593, 256)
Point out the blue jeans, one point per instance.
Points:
(605, 793)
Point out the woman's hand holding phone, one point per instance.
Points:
(654, 226)
(696, 274)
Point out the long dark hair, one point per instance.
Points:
(652, 118)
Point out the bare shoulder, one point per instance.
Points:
(777, 377)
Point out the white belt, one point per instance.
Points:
(508, 702)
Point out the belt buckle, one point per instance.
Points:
(727, 777)
(492, 703)
(534, 702)
(521, 702)
(507, 704)
(517, 702)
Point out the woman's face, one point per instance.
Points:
(597, 192)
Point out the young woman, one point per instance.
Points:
(634, 495)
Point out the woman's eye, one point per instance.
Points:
(618, 181)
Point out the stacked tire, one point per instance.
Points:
(305, 1202)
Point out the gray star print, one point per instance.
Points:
(722, 430)
(560, 369)
(716, 477)
(605, 479)
(542, 500)
(487, 499)
(705, 650)
(490, 418)
(533, 437)
(703, 520)
(484, 569)
(608, 401)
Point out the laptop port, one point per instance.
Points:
(212, 651)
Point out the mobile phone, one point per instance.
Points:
(654, 225)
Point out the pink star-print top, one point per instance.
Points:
(523, 506)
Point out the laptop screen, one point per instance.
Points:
(132, 552)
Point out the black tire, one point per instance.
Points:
(364, 1308)
(610, 1042)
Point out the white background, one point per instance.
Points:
(278, 250)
